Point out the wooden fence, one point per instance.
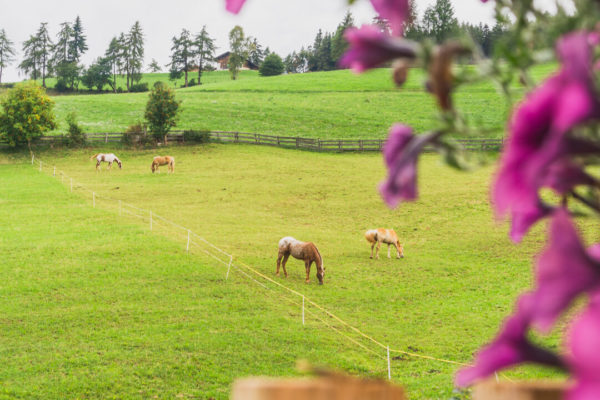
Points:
(324, 145)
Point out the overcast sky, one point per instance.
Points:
(282, 25)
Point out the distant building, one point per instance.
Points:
(223, 61)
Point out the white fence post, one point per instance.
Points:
(302, 310)
(120, 208)
(187, 247)
(54, 171)
(150, 220)
(229, 267)
(94, 199)
(40, 166)
(32, 157)
(389, 366)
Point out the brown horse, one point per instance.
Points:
(387, 236)
(306, 251)
(166, 160)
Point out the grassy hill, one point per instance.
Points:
(335, 104)
(99, 305)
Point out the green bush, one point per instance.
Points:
(195, 136)
(139, 87)
(192, 82)
(119, 89)
(161, 111)
(61, 86)
(75, 136)
(26, 114)
(272, 65)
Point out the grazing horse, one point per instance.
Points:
(387, 236)
(109, 158)
(306, 251)
(166, 160)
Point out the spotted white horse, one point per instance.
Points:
(110, 158)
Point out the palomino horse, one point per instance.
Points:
(166, 160)
(110, 158)
(306, 251)
(387, 236)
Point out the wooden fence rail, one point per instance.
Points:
(324, 145)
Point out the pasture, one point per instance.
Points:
(96, 305)
(327, 105)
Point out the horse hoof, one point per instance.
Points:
(320, 283)
(371, 257)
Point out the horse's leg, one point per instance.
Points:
(372, 247)
(377, 249)
(307, 266)
(389, 251)
(285, 258)
(279, 257)
(109, 166)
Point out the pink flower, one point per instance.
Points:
(537, 148)
(369, 47)
(234, 6)
(396, 12)
(564, 271)
(584, 343)
(510, 347)
(401, 153)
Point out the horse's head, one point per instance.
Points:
(153, 167)
(120, 164)
(320, 272)
(400, 249)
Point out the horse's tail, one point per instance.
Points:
(94, 156)
(371, 235)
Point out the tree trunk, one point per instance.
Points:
(0, 73)
(199, 72)
(186, 77)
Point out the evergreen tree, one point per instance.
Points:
(98, 74)
(205, 50)
(255, 52)
(44, 48)
(154, 66)
(31, 60)
(7, 51)
(132, 53)
(238, 49)
(182, 55)
(313, 61)
(60, 50)
(77, 44)
(113, 56)
(339, 45)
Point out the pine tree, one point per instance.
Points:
(7, 51)
(44, 48)
(205, 50)
(113, 57)
(339, 45)
(154, 66)
(255, 52)
(182, 55)
(31, 60)
(77, 43)
(135, 43)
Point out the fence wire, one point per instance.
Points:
(246, 270)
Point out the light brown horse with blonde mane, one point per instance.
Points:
(306, 251)
(387, 236)
(163, 160)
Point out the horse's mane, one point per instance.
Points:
(320, 258)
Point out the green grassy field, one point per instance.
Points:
(335, 104)
(97, 304)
